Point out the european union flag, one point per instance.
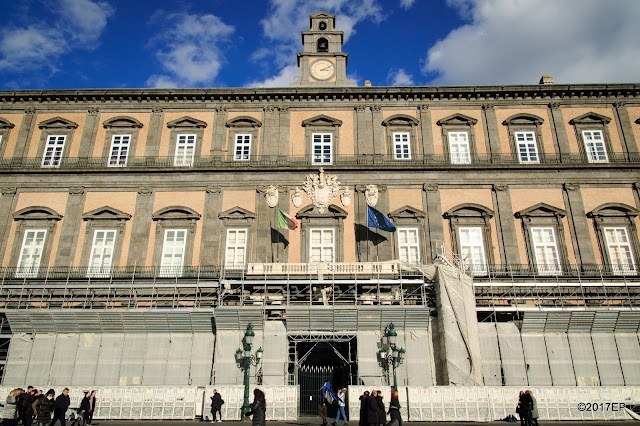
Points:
(378, 220)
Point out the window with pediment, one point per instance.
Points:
(617, 236)
(470, 227)
(5, 129)
(35, 231)
(55, 136)
(543, 230)
(238, 237)
(458, 138)
(174, 239)
(104, 231)
(121, 137)
(322, 234)
(322, 139)
(593, 137)
(401, 136)
(185, 140)
(525, 137)
(410, 232)
(243, 137)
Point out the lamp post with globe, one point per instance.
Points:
(245, 359)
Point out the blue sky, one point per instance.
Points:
(65, 44)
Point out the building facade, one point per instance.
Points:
(139, 232)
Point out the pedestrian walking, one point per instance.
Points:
(382, 413)
(342, 397)
(28, 399)
(373, 414)
(364, 398)
(44, 408)
(87, 407)
(216, 406)
(394, 409)
(258, 408)
(534, 408)
(9, 412)
(60, 408)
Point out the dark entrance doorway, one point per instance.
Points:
(323, 361)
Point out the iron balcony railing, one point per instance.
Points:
(277, 271)
(267, 161)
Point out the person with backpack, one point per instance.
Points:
(9, 412)
(216, 406)
(43, 407)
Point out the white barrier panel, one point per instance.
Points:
(282, 401)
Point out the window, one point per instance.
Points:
(173, 249)
(322, 148)
(546, 250)
(472, 249)
(5, 128)
(527, 148)
(402, 146)
(185, 150)
(620, 251)
(31, 253)
(236, 253)
(53, 151)
(594, 146)
(321, 247)
(459, 148)
(408, 245)
(243, 147)
(119, 150)
(102, 251)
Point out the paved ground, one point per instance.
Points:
(304, 421)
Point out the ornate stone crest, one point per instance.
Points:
(345, 197)
(371, 195)
(296, 197)
(272, 195)
(321, 189)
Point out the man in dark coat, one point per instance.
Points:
(364, 399)
(60, 408)
(382, 412)
(394, 409)
(29, 398)
(373, 416)
(216, 406)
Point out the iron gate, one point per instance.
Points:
(311, 378)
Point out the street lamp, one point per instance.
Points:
(245, 360)
(391, 355)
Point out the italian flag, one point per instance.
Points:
(286, 221)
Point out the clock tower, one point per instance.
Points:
(322, 61)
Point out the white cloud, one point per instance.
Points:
(400, 78)
(287, 18)
(190, 49)
(516, 42)
(284, 78)
(407, 4)
(76, 24)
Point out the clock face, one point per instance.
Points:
(322, 69)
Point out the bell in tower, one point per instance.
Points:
(322, 61)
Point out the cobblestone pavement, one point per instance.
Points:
(304, 421)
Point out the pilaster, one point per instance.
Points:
(141, 227)
(373, 245)
(434, 229)
(379, 145)
(578, 225)
(426, 131)
(7, 207)
(211, 227)
(152, 148)
(559, 132)
(70, 229)
(219, 132)
(25, 133)
(364, 135)
(265, 221)
(492, 136)
(626, 131)
(506, 229)
(284, 126)
(89, 132)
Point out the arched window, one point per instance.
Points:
(175, 229)
(401, 136)
(525, 137)
(243, 137)
(470, 226)
(617, 237)
(36, 227)
(56, 134)
(103, 240)
(459, 138)
(321, 134)
(592, 133)
(120, 139)
(186, 140)
(323, 45)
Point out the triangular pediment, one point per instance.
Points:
(243, 121)
(457, 120)
(175, 212)
(541, 210)
(407, 212)
(523, 119)
(186, 122)
(106, 213)
(321, 120)
(237, 213)
(469, 210)
(613, 210)
(400, 120)
(57, 123)
(4, 124)
(590, 118)
(122, 122)
(36, 213)
(331, 211)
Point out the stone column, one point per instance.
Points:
(25, 133)
(491, 134)
(434, 229)
(559, 132)
(70, 227)
(89, 132)
(7, 207)
(211, 227)
(625, 130)
(141, 227)
(506, 229)
(426, 131)
(152, 147)
(578, 224)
